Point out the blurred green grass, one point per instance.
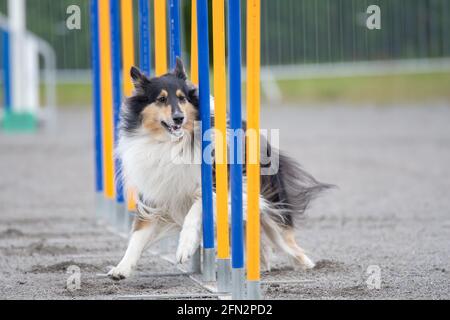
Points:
(375, 89)
(71, 94)
(418, 88)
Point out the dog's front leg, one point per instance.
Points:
(143, 233)
(190, 234)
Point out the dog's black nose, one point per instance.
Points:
(178, 118)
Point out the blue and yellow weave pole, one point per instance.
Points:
(116, 59)
(175, 36)
(253, 148)
(98, 149)
(220, 108)
(110, 19)
(194, 43)
(236, 165)
(196, 259)
(107, 104)
(6, 66)
(144, 37)
(160, 21)
(205, 115)
(127, 28)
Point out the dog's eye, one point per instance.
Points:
(162, 99)
(182, 99)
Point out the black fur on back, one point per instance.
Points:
(290, 190)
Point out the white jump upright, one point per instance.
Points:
(24, 61)
(24, 52)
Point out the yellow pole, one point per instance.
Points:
(127, 62)
(253, 139)
(194, 44)
(127, 44)
(220, 106)
(160, 37)
(107, 100)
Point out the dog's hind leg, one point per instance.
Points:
(282, 239)
(144, 233)
(299, 255)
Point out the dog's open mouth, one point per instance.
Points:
(173, 129)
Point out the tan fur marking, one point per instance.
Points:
(152, 115)
(163, 93)
(139, 224)
(167, 112)
(190, 114)
(180, 94)
(289, 237)
(151, 119)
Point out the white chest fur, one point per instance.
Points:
(165, 174)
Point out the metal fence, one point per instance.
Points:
(293, 31)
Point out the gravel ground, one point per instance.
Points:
(391, 210)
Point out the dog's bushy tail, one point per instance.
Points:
(291, 190)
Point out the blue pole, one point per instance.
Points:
(6, 70)
(117, 88)
(144, 37)
(175, 39)
(205, 114)
(237, 225)
(234, 53)
(95, 57)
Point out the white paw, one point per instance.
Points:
(308, 263)
(187, 245)
(120, 272)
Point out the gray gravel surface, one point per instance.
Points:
(391, 210)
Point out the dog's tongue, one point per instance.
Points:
(177, 131)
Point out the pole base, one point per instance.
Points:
(129, 219)
(254, 290)
(224, 275)
(196, 261)
(19, 122)
(209, 265)
(109, 212)
(99, 206)
(238, 284)
(119, 216)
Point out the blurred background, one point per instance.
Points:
(312, 51)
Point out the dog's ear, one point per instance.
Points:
(193, 95)
(136, 75)
(139, 79)
(179, 70)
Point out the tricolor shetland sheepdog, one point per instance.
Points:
(157, 129)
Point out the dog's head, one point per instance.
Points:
(166, 107)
